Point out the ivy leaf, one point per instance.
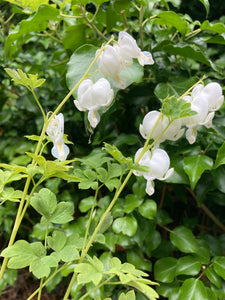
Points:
(219, 265)
(165, 269)
(220, 157)
(192, 289)
(170, 18)
(213, 277)
(29, 5)
(184, 240)
(206, 5)
(148, 209)
(195, 165)
(188, 265)
(127, 225)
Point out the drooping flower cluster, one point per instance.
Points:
(205, 101)
(158, 162)
(111, 61)
(55, 131)
(92, 96)
(115, 58)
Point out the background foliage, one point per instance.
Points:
(177, 236)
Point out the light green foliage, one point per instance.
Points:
(45, 203)
(111, 245)
(23, 254)
(31, 81)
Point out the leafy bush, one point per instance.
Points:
(105, 216)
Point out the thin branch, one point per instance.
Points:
(207, 211)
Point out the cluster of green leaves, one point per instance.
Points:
(168, 237)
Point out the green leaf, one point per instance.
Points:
(112, 150)
(213, 277)
(184, 240)
(192, 289)
(57, 241)
(74, 36)
(219, 265)
(195, 165)
(165, 269)
(174, 108)
(148, 209)
(79, 63)
(36, 23)
(91, 271)
(145, 289)
(127, 225)
(203, 254)
(11, 195)
(29, 5)
(188, 265)
(131, 202)
(41, 267)
(217, 27)
(129, 296)
(170, 18)
(63, 213)
(206, 5)
(44, 202)
(220, 157)
(86, 204)
(174, 89)
(21, 254)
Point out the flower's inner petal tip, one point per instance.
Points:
(145, 58)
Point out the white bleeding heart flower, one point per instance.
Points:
(155, 123)
(205, 101)
(109, 62)
(93, 96)
(158, 163)
(129, 50)
(115, 58)
(55, 131)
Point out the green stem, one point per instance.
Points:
(39, 104)
(188, 91)
(16, 225)
(91, 24)
(141, 16)
(40, 289)
(47, 281)
(90, 218)
(97, 287)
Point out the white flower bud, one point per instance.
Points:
(158, 162)
(92, 96)
(55, 131)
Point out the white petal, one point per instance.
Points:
(93, 118)
(60, 151)
(208, 121)
(150, 187)
(191, 134)
(145, 58)
(78, 106)
(168, 174)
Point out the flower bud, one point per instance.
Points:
(55, 131)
